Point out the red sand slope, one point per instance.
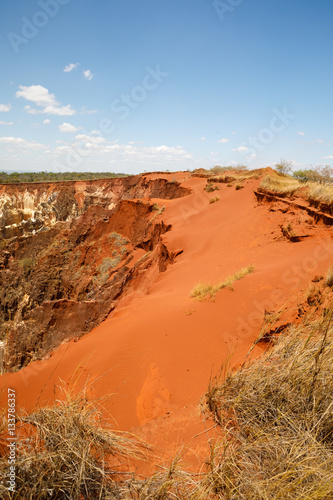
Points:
(156, 352)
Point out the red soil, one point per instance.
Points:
(156, 351)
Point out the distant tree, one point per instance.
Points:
(322, 174)
(284, 167)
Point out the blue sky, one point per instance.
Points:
(132, 85)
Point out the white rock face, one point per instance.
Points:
(29, 208)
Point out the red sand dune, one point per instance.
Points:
(156, 352)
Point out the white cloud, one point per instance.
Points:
(85, 111)
(330, 157)
(6, 123)
(88, 74)
(320, 141)
(224, 140)
(301, 133)
(241, 148)
(5, 108)
(18, 141)
(68, 127)
(41, 97)
(233, 133)
(70, 67)
(46, 121)
(203, 138)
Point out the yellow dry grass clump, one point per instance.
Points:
(320, 192)
(208, 290)
(277, 420)
(280, 184)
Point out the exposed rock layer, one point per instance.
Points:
(68, 253)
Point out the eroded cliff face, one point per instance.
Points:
(28, 208)
(69, 252)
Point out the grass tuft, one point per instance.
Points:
(277, 420)
(329, 277)
(320, 192)
(69, 455)
(284, 185)
(203, 290)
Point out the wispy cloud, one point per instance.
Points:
(47, 121)
(224, 140)
(241, 148)
(19, 142)
(301, 133)
(85, 111)
(68, 127)
(70, 67)
(330, 157)
(47, 102)
(5, 108)
(88, 74)
(6, 123)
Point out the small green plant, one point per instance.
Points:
(214, 199)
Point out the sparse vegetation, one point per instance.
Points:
(239, 186)
(211, 187)
(329, 277)
(214, 199)
(320, 192)
(203, 291)
(320, 174)
(283, 167)
(15, 177)
(159, 211)
(284, 185)
(277, 419)
(288, 231)
(69, 455)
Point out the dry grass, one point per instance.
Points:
(329, 277)
(277, 416)
(210, 187)
(69, 454)
(320, 192)
(284, 185)
(214, 199)
(203, 291)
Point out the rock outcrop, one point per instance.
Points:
(69, 252)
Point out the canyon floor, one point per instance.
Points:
(115, 314)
